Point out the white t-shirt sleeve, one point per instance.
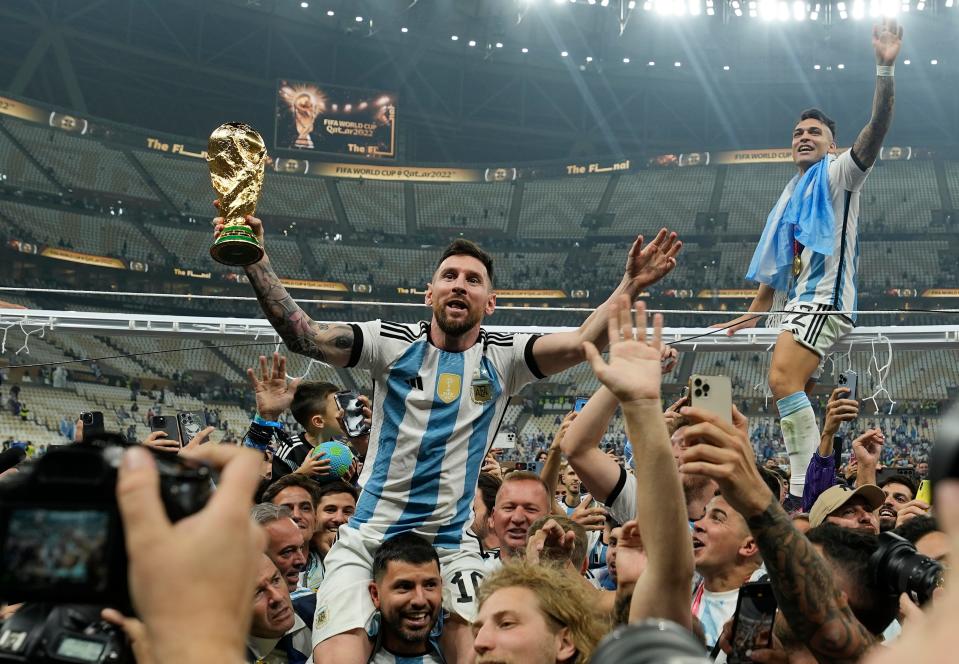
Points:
(845, 174)
(621, 502)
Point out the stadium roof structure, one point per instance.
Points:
(487, 80)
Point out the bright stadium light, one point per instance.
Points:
(799, 10)
(858, 9)
(632, 4)
(840, 66)
(330, 12)
(710, 8)
(625, 61)
(921, 5)
(934, 62)
(359, 19)
(651, 63)
(907, 62)
(404, 29)
(604, 3)
(472, 42)
(589, 58)
(524, 50)
(455, 37)
(725, 67)
(817, 67)
(564, 53)
(949, 3)
(677, 64)
(305, 5)
(499, 44)
(695, 7)
(843, 13)
(767, 9)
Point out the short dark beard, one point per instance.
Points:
(450, 328)
(421, 636)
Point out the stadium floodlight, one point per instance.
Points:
(799, 10)
(677, 64)
(591, 2)
(472, 42)
(840, 66)
(404, 29)
(710, 8)
(651, 63)
(648, 5)
(934, 62)
(499, 44)
(725, 67)
(907, 62)
(949, 3)
(767, 9)
(564, 53)
(921, 5)
(625, 61)
(858, 9)
(305, 5)
(604, 3)
(817, 67)
(524, 50)
(695, 7)
(359, 19)
(330, 12)
(455, 37)
(589, 58)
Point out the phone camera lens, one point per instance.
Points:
(697, 382)
(706, 388)
(698, 393)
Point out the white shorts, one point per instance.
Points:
(817, 333)
(343, 601)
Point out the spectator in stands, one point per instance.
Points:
(535, 614)
(276, 631)
(407, 591)
(922, 469)
(899, 491)
(285, 544)
(571, 481)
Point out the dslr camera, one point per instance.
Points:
(898, 568)
(62, 539)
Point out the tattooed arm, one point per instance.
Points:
(331, 343)
(887, 40)
(816, 610)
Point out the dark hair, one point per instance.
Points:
(461, 247)
(918, 527)
(816, 114)
(848, 551)
(293, 479)
(310, 399)
(488, 485)
(772, 481)
(900, 479)
(406, 547)
(325, 489)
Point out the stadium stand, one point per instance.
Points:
(750, 192)
(655, 198)
(374, 206)
(556, 208)
(466, 206)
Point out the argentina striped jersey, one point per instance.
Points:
(434, 417)
(832, 280)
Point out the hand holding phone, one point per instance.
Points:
(753, 621)
(92, 422)
(713, 394)
(354, 422)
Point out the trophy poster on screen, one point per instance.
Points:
(335, 119)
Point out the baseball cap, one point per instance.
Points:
(836, 496)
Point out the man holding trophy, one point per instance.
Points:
(441, 387)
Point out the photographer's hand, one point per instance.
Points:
(206, 562)
(158, 440)
(136, 632)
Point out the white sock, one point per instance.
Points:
(801, 436)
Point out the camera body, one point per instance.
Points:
(61, 537)
(41, 633)
(898, 568)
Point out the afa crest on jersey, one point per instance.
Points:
(448, 387)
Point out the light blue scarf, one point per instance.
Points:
(804, 212)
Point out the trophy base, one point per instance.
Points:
(236, 246)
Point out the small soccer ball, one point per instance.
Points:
(340, 456)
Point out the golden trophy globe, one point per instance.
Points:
(236, 155)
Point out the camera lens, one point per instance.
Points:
(697, 382)
(650, 642)
(898, 568)
(698, 393)
(87, 418)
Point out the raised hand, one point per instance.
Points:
(590, 518)
(668, 357)
(199, 439)
(887, 40)
(868, 448)
(272, 391)
(158, 440)
(634, 369)
(550, 543)
(647, 265)
(255, 224)
(630, 555)
(563, 428)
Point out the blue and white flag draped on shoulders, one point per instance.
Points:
(804, 212)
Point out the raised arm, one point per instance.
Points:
(330, 343)
(633, 375)
(816, 610)
(554, 459)
(581, 445)
(887, 40)
(644, 267)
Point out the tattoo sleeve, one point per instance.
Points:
(802, 581)
(867, 145)
(624, 598)
(327, 343)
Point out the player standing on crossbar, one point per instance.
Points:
(808, 255)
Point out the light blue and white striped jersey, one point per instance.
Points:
(832, 280)
(434, 417)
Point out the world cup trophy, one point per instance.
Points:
(236, 155)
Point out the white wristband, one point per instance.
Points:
(885, 70)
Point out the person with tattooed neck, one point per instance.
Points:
(440, 387)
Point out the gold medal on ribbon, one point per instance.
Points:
(797, 265)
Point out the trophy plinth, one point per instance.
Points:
(236, 156)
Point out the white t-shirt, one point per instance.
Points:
(715, 609)
(434, 417)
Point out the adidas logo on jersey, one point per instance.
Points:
(415, 383)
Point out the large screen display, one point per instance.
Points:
(336, 120)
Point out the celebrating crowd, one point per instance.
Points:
(388, 530)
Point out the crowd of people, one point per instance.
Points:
(386, 530)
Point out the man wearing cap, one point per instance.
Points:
(848, 508)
